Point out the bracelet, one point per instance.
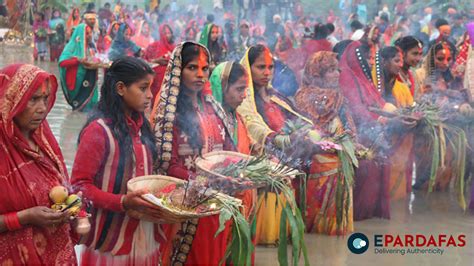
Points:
(11, 221)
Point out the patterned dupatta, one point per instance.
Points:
(163, 115)
(257, 128)
(219, 85)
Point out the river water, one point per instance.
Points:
(435, 214)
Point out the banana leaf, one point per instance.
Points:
(292, 217)
(283, 244)
(240, 248)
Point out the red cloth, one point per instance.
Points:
(26, 175)
(296, 58)
(312, 46)
(357, 88)
(101, 171)
(274, 116)
(213, 131)
(156, 50)
(205, 250)
(71, 71)
(371, 189)
(55, 52)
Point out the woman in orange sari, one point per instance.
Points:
(31, 164)
(73, 20)
(229, 83)
(327, 211)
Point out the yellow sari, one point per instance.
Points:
(401, 157)
(268, 211)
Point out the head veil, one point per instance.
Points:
(163, 115)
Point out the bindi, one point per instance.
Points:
(267, 57)
(202, 61)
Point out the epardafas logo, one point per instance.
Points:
(358, 243)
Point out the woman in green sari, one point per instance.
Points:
(210, 38)
(78, 74)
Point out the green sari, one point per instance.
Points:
(82, 95)
(216, 49)
(204, 38)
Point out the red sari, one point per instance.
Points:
(205, 249)
(27, 175)
(371, 189)
(156, 50)
(296, 58)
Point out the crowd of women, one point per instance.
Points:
(157, 114)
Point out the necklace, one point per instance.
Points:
(363, 64)
(378, 72)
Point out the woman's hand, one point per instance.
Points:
(42, 216)
(133, 201)
(162, 61)
(89, 65)
(400, 122)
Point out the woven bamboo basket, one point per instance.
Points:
(155, 183)
(208, 160)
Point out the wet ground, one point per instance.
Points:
(433, 215)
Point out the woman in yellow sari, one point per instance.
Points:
(385, 74)
(264, 114)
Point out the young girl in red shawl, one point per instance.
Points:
(31, 165)
(115, 146)
(189, 123)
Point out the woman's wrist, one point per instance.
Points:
(12, 221)
(23, 217)
(122, 203)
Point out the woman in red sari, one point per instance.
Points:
(297, 58)
(371, 189)
(31, 164)
(188, 123)
(159, 53)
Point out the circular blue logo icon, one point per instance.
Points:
(358, 243)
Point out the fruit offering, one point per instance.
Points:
(62, 201)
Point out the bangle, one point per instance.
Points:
(11, 221)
